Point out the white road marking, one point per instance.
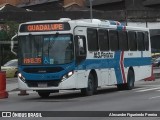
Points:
(136, 89)
(148, 89)
(154, 97)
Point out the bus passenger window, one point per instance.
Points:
(92, 39)
(113, 40)
(146, 40)
(103, 40)
(123, 40)
(140, 40)
(132, 41)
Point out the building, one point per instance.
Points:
(47, 5)
(145, 13)
(12, 2)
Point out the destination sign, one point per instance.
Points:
(32, 61)
(42, 27)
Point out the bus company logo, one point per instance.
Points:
(103, 55)
(6, 114)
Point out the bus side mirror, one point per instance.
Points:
(80, 48)
(14, 40)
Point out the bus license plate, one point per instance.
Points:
(42, 85)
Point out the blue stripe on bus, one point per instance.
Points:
(137, 61)
(47, 76)
(117, 68)
(114, 63)
(92, 64)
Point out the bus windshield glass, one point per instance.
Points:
(46, 49)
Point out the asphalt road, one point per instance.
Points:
(145, 97)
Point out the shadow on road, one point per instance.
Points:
(70, 96)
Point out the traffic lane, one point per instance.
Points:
(106, 100)
(45, 102)
(141, 98)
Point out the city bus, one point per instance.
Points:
(83, 54)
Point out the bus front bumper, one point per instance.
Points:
(68, 83)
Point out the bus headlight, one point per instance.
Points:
(21, 77)
(69, 74)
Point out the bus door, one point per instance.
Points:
(80, 49)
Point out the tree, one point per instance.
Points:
(11, 28)
(8, 30)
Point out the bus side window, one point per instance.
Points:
(103, 40)
(113, 40)
(132, 40)
(92, 39)
(146, 41)
(123, 40)
(140, 40)
(80, 45)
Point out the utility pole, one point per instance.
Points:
(91, 11)
(125, 12)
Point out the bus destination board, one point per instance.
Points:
(42, 27)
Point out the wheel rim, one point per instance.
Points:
(131, 80)
(90, 84)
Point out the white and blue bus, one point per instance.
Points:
(81, 54)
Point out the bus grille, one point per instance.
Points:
(50, 83)
(43, 70)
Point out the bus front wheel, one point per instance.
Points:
(91, 87)
(43, 94)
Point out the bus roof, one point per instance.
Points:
(91, 23)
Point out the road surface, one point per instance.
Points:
(145, 97)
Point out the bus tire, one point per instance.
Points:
(43, 94)
(130, 80)
(120, 86)
(91, 87)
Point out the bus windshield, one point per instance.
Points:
(46, 49)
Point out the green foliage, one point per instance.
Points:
(11, 28)
(3, 35)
